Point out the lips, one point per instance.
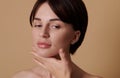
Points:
(43, 45)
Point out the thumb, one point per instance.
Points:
(64, 55)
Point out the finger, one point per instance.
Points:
(65, 56)
(35, 54)
(34, 49)
(39, 63)
(62, 54)
(39, 58)
(44, 62)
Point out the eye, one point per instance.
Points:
(37, 26)
(55, 27)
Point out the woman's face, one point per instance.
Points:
(49, 33)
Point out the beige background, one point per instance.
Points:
(99, 54)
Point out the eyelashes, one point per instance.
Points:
(55, 26)
(50, 26)
(37, 25)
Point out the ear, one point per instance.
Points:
(76, 37)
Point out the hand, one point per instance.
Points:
(59, 68)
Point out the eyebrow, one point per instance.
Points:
(37, 19)
(54, 19)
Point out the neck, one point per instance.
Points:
(77, 72)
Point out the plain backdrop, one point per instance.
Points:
(99, 53)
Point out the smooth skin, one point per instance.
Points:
(53, 57)
(49, 29)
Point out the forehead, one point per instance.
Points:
(45, 12)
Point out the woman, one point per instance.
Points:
(58, 29)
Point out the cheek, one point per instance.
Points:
(63, 39)
(67, 38)
(34, 35)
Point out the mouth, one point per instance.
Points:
(43, 45)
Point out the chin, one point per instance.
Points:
(47, 55)
(47, 52)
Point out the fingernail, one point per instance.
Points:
(34, 53)
(35, 60)
(61, 50)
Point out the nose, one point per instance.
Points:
(44, 33)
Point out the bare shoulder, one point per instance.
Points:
(93, 76)
(96, 77)
(25, 74)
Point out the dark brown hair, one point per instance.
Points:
(69, 11)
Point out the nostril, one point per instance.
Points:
(44, 34)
